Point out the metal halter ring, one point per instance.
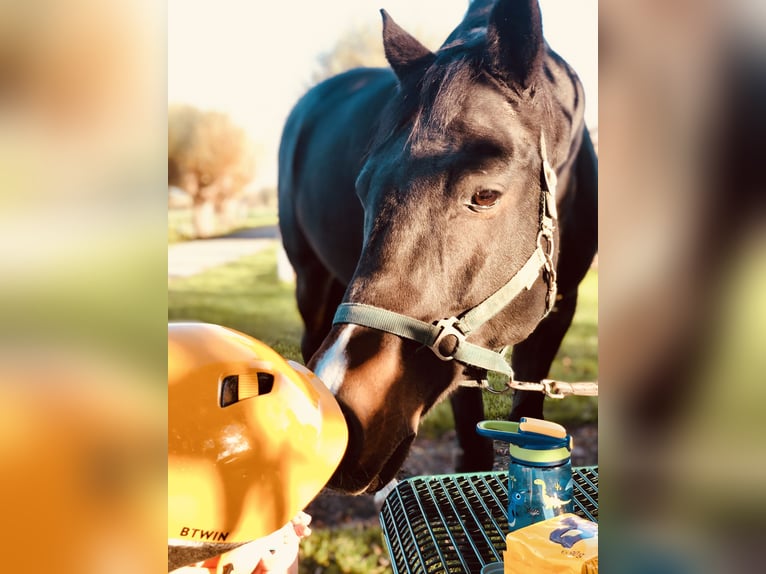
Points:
(448, 327)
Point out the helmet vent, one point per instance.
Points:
(235, 388)
(229, 390)
(265, 383)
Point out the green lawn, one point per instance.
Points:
(344, 550)
(247, 296)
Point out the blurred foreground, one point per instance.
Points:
(682, 121)
(82, 298)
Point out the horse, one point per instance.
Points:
(435, 212)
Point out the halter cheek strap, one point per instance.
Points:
(436, 336)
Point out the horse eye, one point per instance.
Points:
(485, 198)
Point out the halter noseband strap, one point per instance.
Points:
(434, 335)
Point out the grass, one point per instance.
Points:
(246, 295)
(345, 550)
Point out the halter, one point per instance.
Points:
(435, 335)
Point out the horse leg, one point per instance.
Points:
(531, 361)
(319, 293)
(532, 358)
(476, 453)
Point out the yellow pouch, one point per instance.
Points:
(565, 544)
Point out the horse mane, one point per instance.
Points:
(434, 100)
(444, 89)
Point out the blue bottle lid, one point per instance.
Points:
(531, 441)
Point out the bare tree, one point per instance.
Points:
(212, 160)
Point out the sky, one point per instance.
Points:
(253, 59)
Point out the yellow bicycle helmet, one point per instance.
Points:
(252, 439)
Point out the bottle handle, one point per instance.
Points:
(529, 432)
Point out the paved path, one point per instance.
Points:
(191, 257)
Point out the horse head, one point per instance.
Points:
(453, 190)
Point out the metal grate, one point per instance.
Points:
(457, 522)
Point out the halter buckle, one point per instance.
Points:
(446, 328)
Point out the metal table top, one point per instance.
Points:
(457, 522)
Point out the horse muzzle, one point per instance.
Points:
(359, 477)
(382, 384)
(373, 455)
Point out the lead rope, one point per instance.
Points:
(551, 388)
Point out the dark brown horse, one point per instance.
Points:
(434, 213)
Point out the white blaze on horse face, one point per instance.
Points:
(331, 368)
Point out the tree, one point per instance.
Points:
(356, 48)
(361, 47)
(212, 160)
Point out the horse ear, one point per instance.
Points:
(405, 53)
(515, 42)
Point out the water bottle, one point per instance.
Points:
(540, 484)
